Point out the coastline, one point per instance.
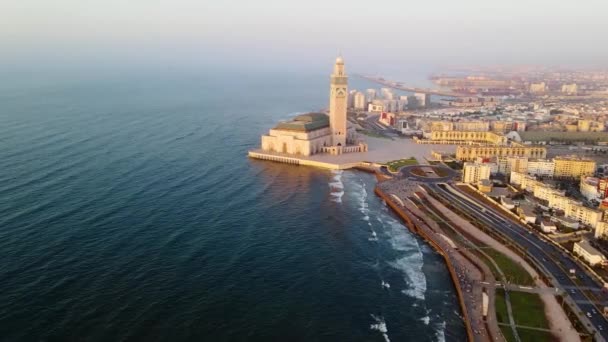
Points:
(409, 224)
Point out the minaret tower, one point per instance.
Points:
(338, 95)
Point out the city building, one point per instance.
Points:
(601, 230)
(515, 163)
(508, 126)
(548, 227)
(412, 102)
(589, 126)
(589, 188)
(524, 181)
(313, 133)
(541, 167)
(435, 126)
(556, 199)
(573, 167)
(459, 137)
(351, 99)
(376, 106)
(538, 88)
(583, 125)
(569, 89)
(526, 213)
(588, 253)
(370, 95)
(466, 153)
(423, 99)
(594, 188)
(359, 101)
(474, 173)
(472, 126)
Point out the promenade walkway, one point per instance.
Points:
(558, 321)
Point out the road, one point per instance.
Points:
(546, 255)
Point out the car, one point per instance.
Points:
(588, 314)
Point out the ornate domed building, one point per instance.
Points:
(313, 133)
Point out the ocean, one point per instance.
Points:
(129, 211)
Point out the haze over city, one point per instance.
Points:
(383, 36)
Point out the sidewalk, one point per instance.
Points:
(558, 321)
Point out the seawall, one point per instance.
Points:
(412, 226)
(303, 161)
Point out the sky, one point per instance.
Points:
(373, 36)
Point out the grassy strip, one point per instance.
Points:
(395, 165)
(514, 272)
(507, 333)
(528, 309)
(530, 335)
(502, 316)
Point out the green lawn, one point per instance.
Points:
(528, 310)
(507, 333)
(514, 272)
(501, 308)
(529, 335)
(395, 165)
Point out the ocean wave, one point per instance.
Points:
(337, 186)
(411, 265)
(440, 332)
(380, 325)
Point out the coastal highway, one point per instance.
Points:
(548, 256)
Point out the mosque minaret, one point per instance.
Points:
(315, 133)
(338, 98)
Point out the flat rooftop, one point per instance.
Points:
(379, 151)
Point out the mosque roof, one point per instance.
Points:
(305, 122)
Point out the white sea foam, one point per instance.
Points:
(337, 196)
(440, 332)
(426, 320)
(412, 262)
(337, 186)
(374, 236)
(380, 326)
(385, 285)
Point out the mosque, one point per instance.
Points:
(314, 133)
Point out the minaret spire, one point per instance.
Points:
(338, 96)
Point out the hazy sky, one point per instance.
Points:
(373, 35)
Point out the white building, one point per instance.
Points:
(475, 172)
(591, 255)
(359, 101)
(370, 95)
(423, 99)
(375, 107)
(589, 187)
(601, 230)
(541, 167)
(313, 133)
(570, 89)
(538, 88)
(387, 93)
(548, 226)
